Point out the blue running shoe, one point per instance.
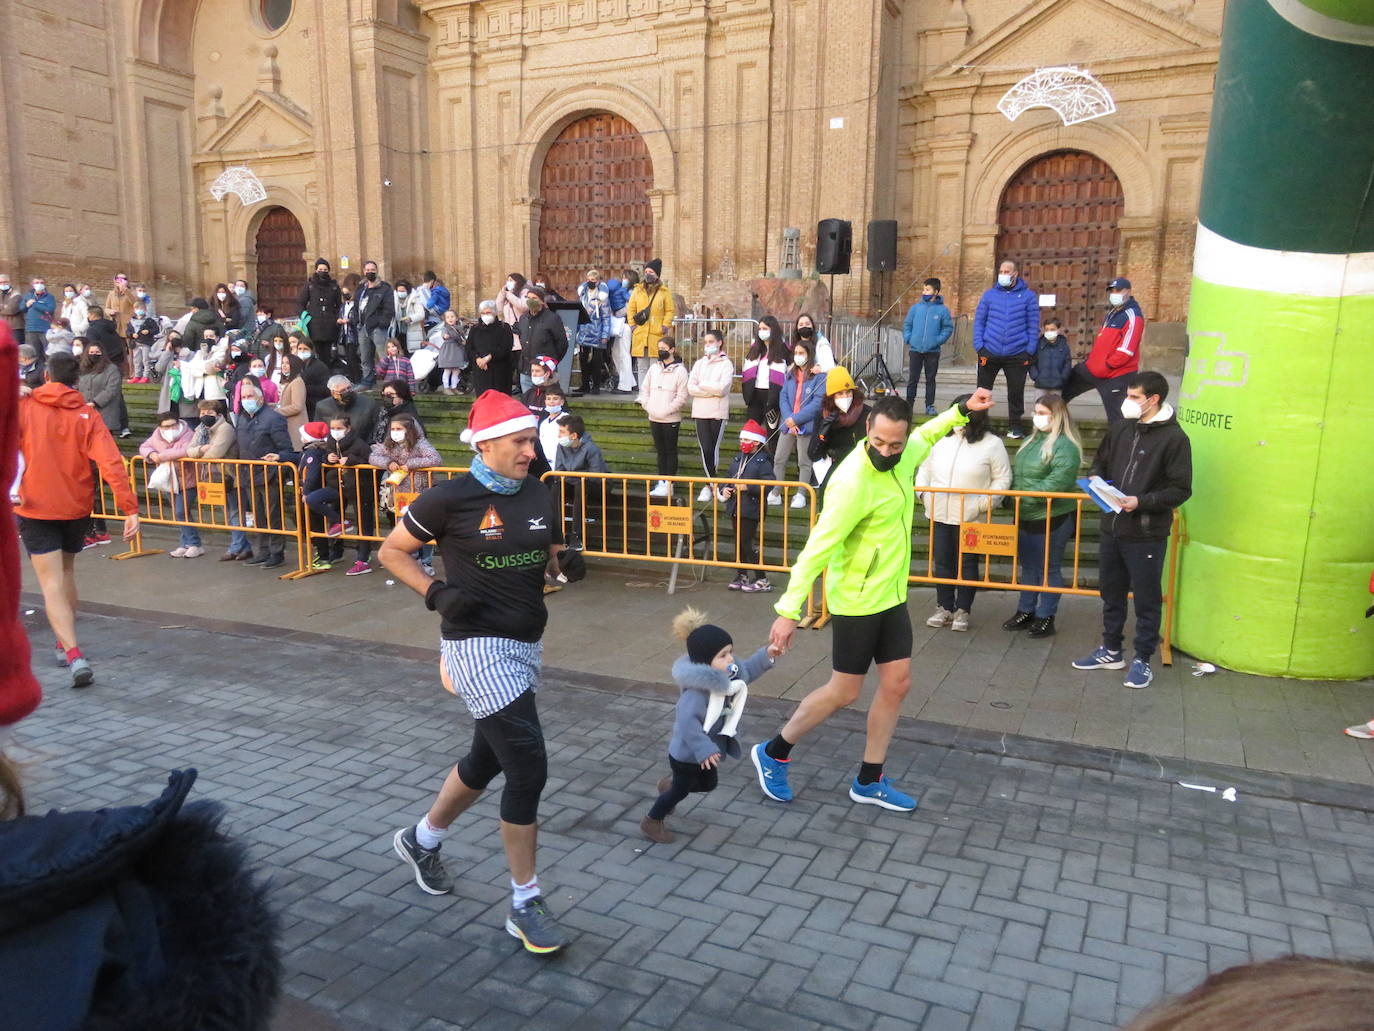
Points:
(772, 774)
(1140, 674)
(881, 792)
(1101, 658)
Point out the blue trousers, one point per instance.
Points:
(1030, 550)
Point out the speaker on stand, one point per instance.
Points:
(834, 244)
(882, 255)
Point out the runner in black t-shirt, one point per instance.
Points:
(498, 533)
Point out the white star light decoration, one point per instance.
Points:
(1071, 93)
(239, 180)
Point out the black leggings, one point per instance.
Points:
(687, 778)
(709, 434)
(511, 742)
(665, 446)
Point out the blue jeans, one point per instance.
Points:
(238, 540)
(181, 503)
(1030, 550)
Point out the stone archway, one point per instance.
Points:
(1059, 219)
(594, 184)
(279, 249)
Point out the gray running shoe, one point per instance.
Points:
(535, 927)
(82, 674)
(430, 874)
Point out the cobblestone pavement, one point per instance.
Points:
(1021, 894)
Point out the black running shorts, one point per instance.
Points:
(41, 536)
(859, 641)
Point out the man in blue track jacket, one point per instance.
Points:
(927, 327)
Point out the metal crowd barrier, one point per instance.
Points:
(617, 516)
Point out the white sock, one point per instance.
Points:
(522, 893)
(428, 836)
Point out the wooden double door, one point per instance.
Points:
(595, 187)
(282, 268)
(1058, 221)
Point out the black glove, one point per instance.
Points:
(572, 565)
(447, 600)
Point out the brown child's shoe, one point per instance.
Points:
(655, 831)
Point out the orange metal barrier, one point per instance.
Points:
(358, 489)
(617, 515)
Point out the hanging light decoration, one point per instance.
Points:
(240, 181)
(1071, 93)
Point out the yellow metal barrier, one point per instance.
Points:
(618, 515)
(358, 488)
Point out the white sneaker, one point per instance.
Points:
(704, 494)
(194, 552)
(177, 553)
(799, 500)
(775, 497)
(660, 490)
(959, 621)
(940, 618)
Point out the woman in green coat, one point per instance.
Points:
(1049, 460)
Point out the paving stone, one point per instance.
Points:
(1028, 892)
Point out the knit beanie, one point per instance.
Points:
(655, 266)
(705, 642)
(838, 379)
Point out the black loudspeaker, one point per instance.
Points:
(834, 241)
(882, 245)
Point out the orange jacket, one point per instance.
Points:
(59, 438)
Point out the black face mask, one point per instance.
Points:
(207, 420)
(805, 332)
(881, 462)
(372, 277)
(346, 398)
(663, 356)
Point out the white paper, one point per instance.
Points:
(1111, 497)
(1048, 300)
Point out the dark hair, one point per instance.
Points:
(573, 423)
(1151, 383)
(540, 277)
(369, 261)
(62, 368)
(412, 429)
(892, 407)
(162, 417)
(95, 311)
(343, 418)
(266, 309)
(932, 281)
(717, 333)
(69, 286)
(401, 387)
(776, 348)
(401, 283)
(631, 277)
(292, 366)
(429, 275)
(196, 302)
(810, 348)
(518, 280)
(400, 345)
(554, 387)
(977, 426)
(1055, 323)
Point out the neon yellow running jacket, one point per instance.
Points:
(864, 532)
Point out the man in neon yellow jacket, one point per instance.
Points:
(863, 541)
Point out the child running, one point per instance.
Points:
(703, 729)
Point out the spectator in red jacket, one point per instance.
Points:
(1115, 355)
(59, 439)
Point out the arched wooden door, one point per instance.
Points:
(595, 186)
(280, 247)
(1058, 221)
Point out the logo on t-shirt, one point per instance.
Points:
(491, 527)
(537, 523)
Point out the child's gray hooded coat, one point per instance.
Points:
(691, 743)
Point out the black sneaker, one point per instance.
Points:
(430, 874)
(535, 927)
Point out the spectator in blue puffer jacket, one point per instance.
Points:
(927, 327)
(799, 403)
(1006, 327)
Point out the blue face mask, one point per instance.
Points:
(251, 405)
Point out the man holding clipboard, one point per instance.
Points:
(1146, 462)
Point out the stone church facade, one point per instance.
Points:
(477, 137)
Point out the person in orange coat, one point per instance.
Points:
(60, 435)
(19, 691)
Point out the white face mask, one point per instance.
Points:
(1051, 334)
(488, 318)
(844, 403)
(1003, 279)
(222, 295)
(69, 294)
(1041, 423)
(240, 290)
(712, 350)
(765, 333)
(539, 381)
(510, 284)
(338, 434)
(1131, 409)
(398, 436)
(800, 359)
(1116, 300)
(143, 295)
(86, 292)
(400, 293)
(257, 370)
(261, 319)
(170, 435)
(38, 288)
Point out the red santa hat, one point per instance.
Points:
(751, 430)
(550, 366)
(315, 431)
(496, 414)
